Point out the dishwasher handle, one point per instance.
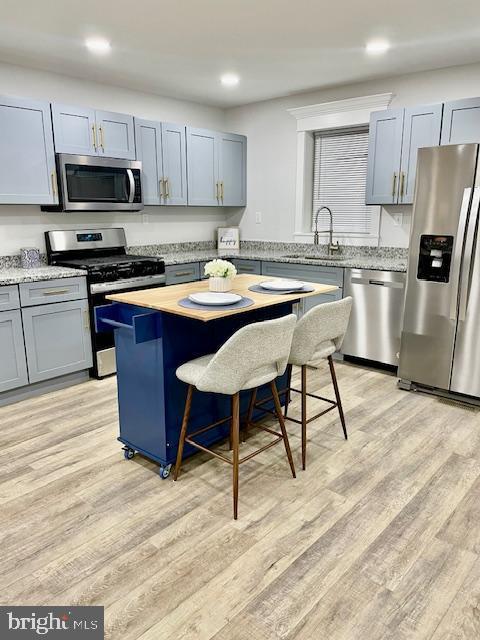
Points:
(377, 283)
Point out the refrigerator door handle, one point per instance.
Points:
(457, 255)
(467, 260)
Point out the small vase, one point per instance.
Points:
(220, 285)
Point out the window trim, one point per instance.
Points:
(352, 112)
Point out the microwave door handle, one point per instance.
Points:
(132, 185)
(467, 260)
(457, 255)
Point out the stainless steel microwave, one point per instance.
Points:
(90, 183)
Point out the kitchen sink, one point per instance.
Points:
(323, 258)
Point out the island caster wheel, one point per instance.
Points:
(164, 471)
(128, 453)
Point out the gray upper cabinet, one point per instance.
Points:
(174, 158)
(421, 128)
(74, 130)
(27, 157)
(57, 339)
(384, 153)
(148, 136)
(232, 157)
(161, 147)
(116, 138)
(461, 121)
(13, 364)
(394, 139)
(202, 167)
(85, 131)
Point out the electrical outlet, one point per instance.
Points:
(145, 218)
(398, 219)
(258, 217)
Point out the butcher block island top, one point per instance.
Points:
(166, 298)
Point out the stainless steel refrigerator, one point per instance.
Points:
(440, 344)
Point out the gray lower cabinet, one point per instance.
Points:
(247, 266)
(461, 121)
(27, 157)
(308, 273)
(9, 297)
(57, 339)
(13, 364)
(178, 273)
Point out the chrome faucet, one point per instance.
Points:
(333, 247)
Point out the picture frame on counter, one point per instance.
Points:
(228, 238)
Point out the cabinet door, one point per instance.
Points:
(461, 121)
(202, 167)
(232, 157)
(27, 158)
(174, 151)
(57, 339)
(421, 128)
(74, 130)
(148, 139)
(116, 138)
(384, 150)
(13, 365)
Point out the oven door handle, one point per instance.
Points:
(132, 185)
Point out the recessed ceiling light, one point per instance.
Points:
(375, 47)
(229, 79)
(98, 45)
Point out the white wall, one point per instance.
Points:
(271, 135)
(24, 225)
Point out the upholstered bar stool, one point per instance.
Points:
(255, 355)
(318, 334)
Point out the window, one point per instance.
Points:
(339, 180)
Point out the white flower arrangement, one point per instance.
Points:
(220, 269)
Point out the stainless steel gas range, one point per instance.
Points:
(103, 255)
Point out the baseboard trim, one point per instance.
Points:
(45, 386)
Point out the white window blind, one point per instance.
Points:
(339, 180)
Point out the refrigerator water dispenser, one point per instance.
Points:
(435, 258)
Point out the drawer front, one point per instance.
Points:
(9, 297)
(306, 272)
(178, 273)
(248, 266)
(48, 291)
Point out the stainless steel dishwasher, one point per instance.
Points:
(377, 313)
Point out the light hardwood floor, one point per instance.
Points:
(378, 538)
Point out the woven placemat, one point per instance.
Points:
(189, 304)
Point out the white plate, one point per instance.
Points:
(214, 299)
(282, 285)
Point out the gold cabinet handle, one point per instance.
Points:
(167, 189)
(180, 274)
(162, 194)
(217, 191)
(94, 137)
(221, 190)
(55, 292)
(53, 178)
(86, 320)
(402, 184)
(102, 139)
(394, 184)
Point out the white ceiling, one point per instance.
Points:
(180, 48)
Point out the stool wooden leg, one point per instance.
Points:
(251, 406)
(337, 396)
(304, 417)
(183, 432)
(235, 445)
(289, 386)
(281, 421)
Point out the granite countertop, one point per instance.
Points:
(371, 261)
(17, 275)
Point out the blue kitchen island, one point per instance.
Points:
(153, 337)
